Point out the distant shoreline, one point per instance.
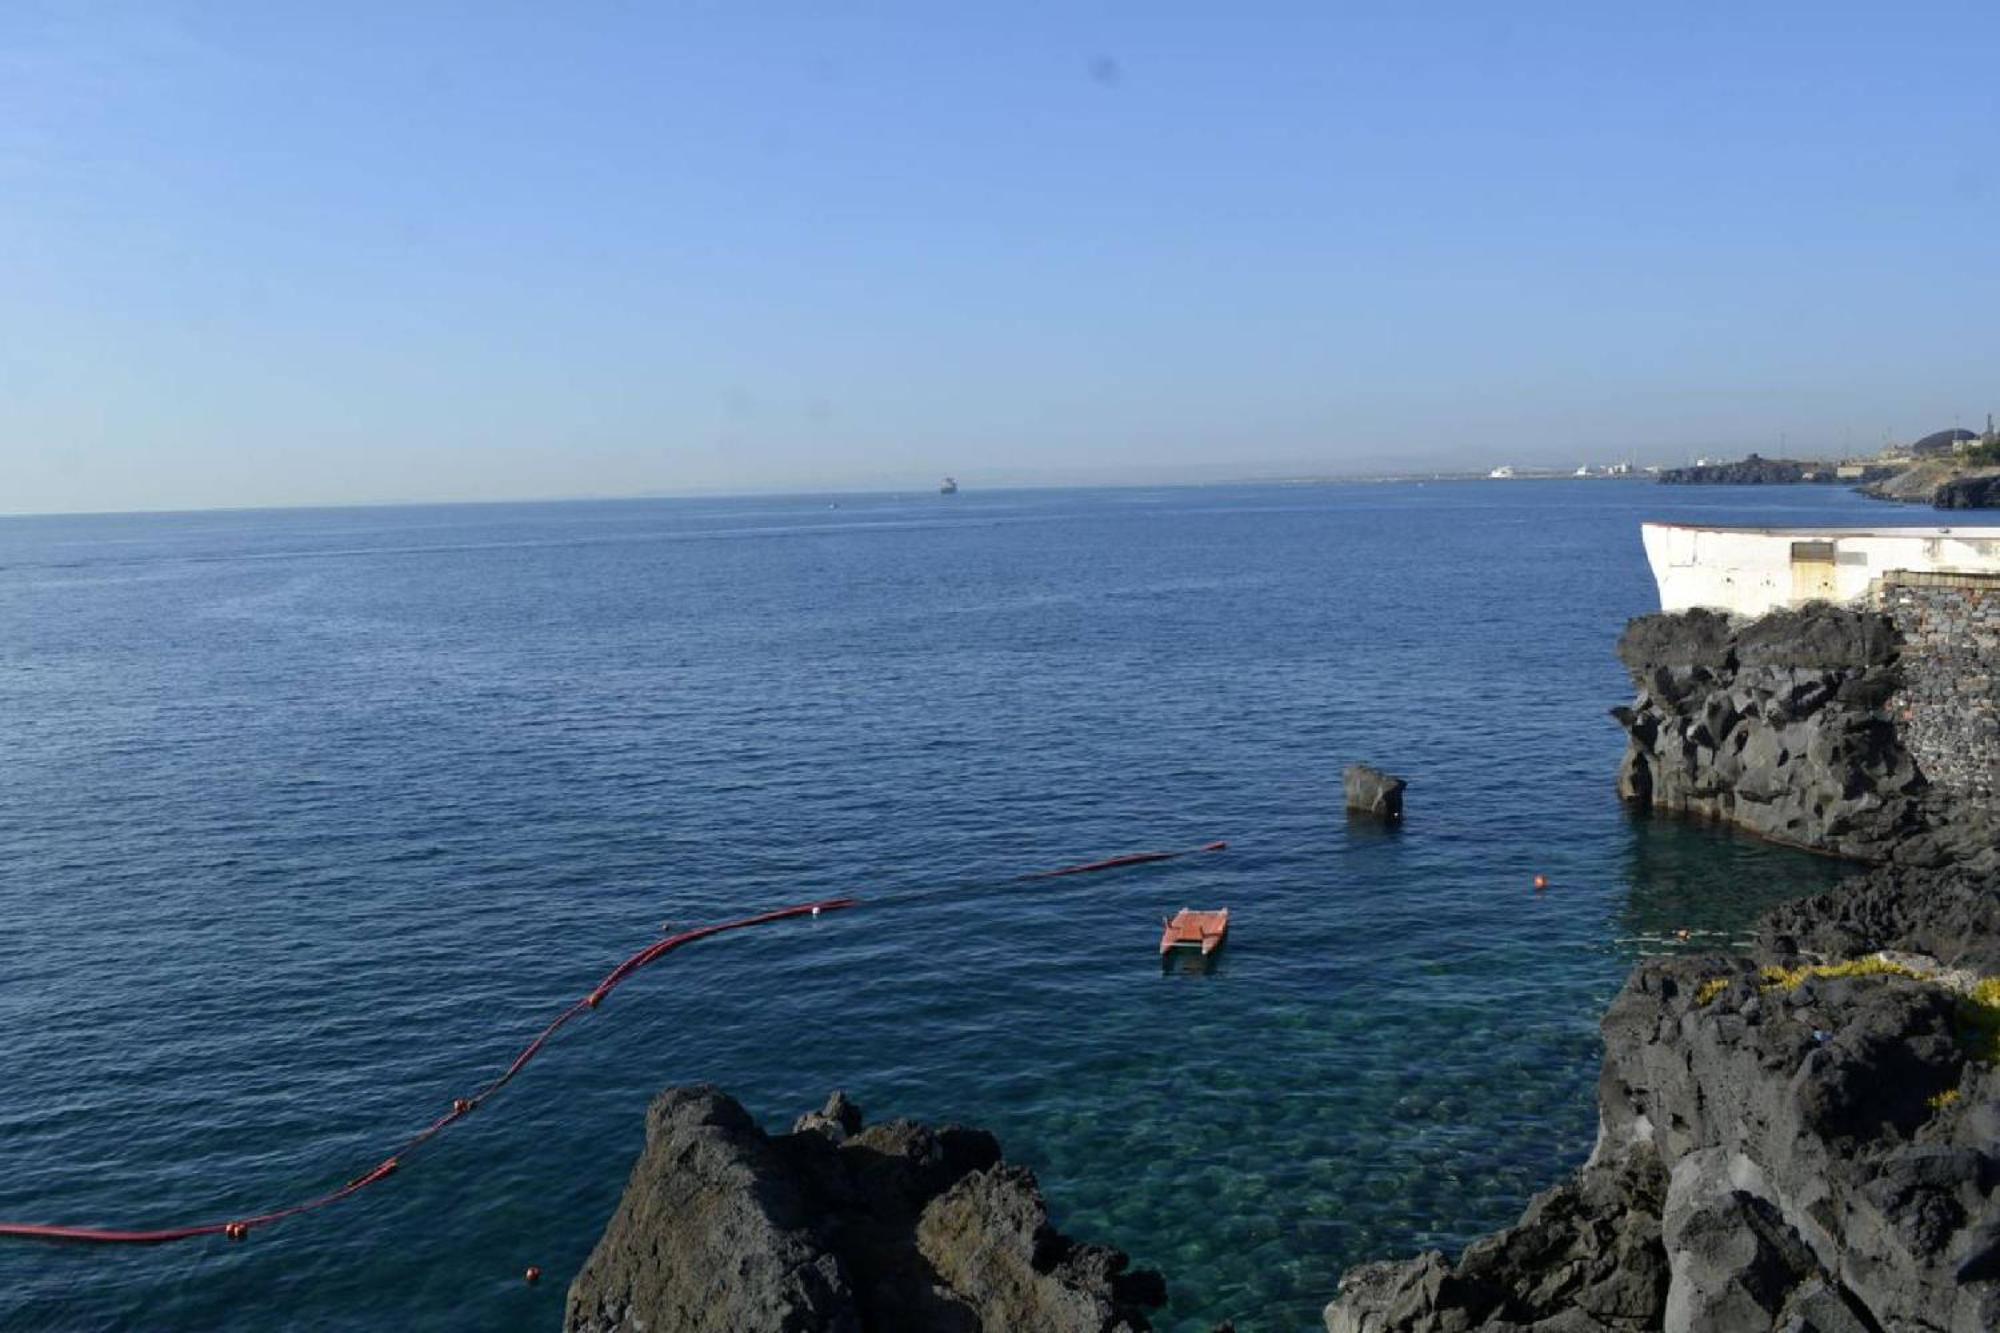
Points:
(914, 492)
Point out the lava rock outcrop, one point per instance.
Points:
(1973, 491)
(1777, 725)
(840, 1228)
(1792, 1146)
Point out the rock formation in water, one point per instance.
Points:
(1370, 791)
(836, 1227)
(1803, 1146)
(1778, 725)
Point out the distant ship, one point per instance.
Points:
(948, 487)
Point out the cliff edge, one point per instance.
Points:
(842, 1229)
(1778, 725)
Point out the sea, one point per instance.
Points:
(310, 819)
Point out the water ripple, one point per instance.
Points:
(296, 846)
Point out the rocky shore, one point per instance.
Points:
(1777, 725)
(1947, 482)
(1976, 490)
(1802, 1138)
(1799, 727)
(1942, 483)
(840, 1228)
(1806, 1138)
(1751, 471)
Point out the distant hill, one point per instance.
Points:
(1942, 442)
(1752, 471)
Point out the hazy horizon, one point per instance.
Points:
(1193, 478)
(403, 254)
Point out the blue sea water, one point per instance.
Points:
(309, 819)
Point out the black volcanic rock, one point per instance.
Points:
(1786, 1141)
(1589, 1248)
(1980, 491)
(840, 1228)
(1820, 1153)
(1819, 636)
(1370, 791)
(1697, 638)
(1951, 914)
(1751, 471)
(1777, 725)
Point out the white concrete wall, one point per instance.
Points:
(1748, 571)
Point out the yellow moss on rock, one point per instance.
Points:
(1978, 1006)
(1979, 1010)
(1791, 978)
(1711, 988)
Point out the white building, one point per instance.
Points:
(1748, 571)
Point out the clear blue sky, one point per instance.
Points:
(272, 253)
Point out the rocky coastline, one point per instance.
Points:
(840, 1227)
(1803, 1139)
(1778, 726)
(1806, 1137)
(1975, 490)
(1947, 482)
(1943, 483)
(1752, 470)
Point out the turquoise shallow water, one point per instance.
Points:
(309, 819)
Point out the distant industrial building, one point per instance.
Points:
(1943, 442)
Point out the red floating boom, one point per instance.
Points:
(1133, 859)
(461, 1107)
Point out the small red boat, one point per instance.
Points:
(1192, 929)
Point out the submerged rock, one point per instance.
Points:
(1372, 792)
(840, 1228)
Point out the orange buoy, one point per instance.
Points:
(236, 1231)
(533, 1274)
(1541, 881)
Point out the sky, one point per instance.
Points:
(285, 253)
